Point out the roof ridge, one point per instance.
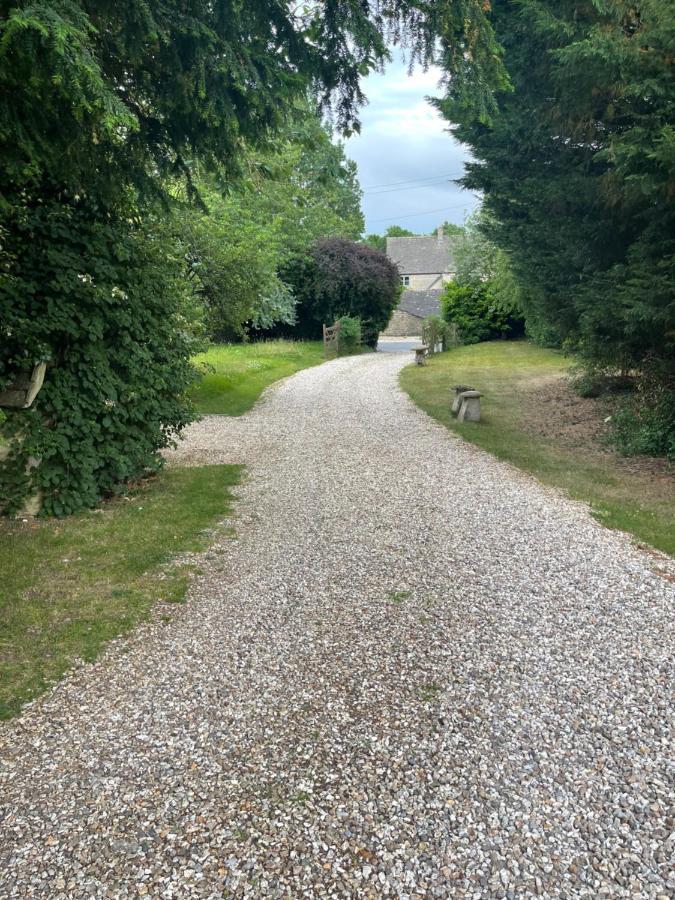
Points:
(421, 254)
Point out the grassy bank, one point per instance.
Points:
(69, 586)
(509, 373)
(235, 375)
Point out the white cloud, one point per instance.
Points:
(403, 138)
(419, 121)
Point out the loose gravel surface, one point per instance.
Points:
(412, 672)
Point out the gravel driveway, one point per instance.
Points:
(413, 672)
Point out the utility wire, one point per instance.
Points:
(395, 218)
(411, 187)
(373, 187)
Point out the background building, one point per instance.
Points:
(425, 264)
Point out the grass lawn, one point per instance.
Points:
(506, 372)
(237, 374)
(69, 586)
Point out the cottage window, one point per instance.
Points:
(405, 279)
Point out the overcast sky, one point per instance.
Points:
(405, 157)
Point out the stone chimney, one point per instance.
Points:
(439, 233)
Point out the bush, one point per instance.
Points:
(106, 301)
(646, 424)
(433, 332)
(343, 278)
(350, 334)
(541, 333)
(232, 265)
(589, 380)
(477, 313)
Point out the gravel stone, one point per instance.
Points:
(411, 671)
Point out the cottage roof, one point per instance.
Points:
(421, 303)
(421, 255)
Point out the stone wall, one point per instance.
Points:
(402, 324)
(423, 282)
(427, 282)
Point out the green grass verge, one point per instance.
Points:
(619, 498)
(70, 586)
(235, 375)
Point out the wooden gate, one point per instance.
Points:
(331, 340)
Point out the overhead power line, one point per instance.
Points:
(395, 218)
(373, 187)
(410, 187)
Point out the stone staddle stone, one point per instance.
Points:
(470, 406)
(457, 399)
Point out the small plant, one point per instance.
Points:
(590, 380)
(350, 335)
(429, 692)
(399, 596)
(646, 423)
(587, 385)
(433, 332)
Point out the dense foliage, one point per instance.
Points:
(147, 87)
(449, 228)
(301, 189)
(104, 300)
(343, 278)
(577, 166)
(350, 335)
(476, 311)
(645, 424)
(106, 108)
(483, 301)
(434, 330)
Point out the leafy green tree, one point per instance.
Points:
(108, 306)
(343, 278)
(148, 87)
(376, 241)
(379, 241)
(104, 108)
(483, 299)
(576, 167)
(450, 228)
(477, 312)
(398, 231)
(233, 256)
(306, 187)
(301, 189)
(474, 255)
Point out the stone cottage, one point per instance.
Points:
(425, 264)
(412, 310)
